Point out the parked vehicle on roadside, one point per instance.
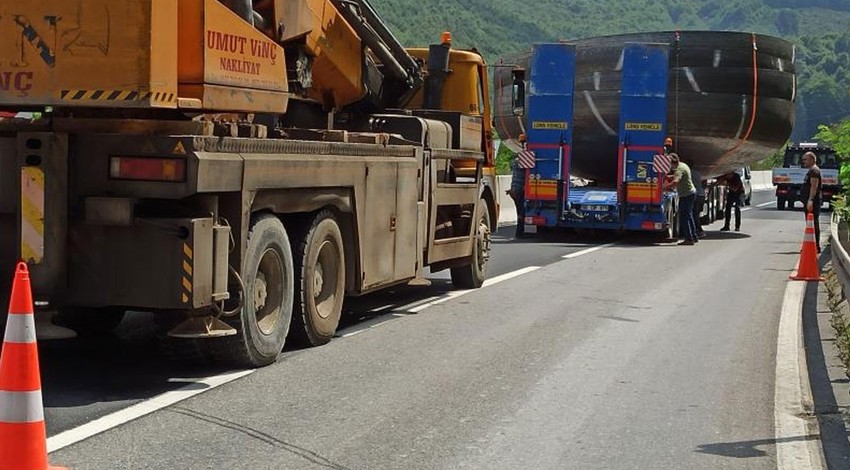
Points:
(790, 177)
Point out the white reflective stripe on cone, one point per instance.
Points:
(20, 329)
(808, 237)
(21, 407)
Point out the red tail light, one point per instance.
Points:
(147, 169)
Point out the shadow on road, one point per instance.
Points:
(747, 449)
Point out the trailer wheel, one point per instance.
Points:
(263, 320)
(320, 281)
(473, 274)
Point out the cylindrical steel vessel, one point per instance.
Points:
(731, 99)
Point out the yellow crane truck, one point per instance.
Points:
(237, 167)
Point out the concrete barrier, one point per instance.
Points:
(507, 209)
(761, 180)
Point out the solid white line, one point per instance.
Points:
(407, 307)
(487, 283)
(588, 251)
(365, 326)
(791, 393)
(510, 275)
(420, 305)
(105, 423)
(767, 203)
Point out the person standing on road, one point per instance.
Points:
(699, 202)
(812, 192)
(668, 146)
(734, 198)
(684, 184)
(517, 192)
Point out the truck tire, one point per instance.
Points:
(90, 321)
(780, 203)
(319, 281)
(263, 321)
(472, 275)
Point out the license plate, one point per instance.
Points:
(595, 208)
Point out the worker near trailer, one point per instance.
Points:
(682, 180)
(734, 199)
(517, 191)
(668, 146)
(699, 202)
(812, 192)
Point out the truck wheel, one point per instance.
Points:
(780, 203)
(473, 274)
(263, 321)
(319, 280)
(90, 321)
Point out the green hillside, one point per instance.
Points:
(820, 28)
(501, 26)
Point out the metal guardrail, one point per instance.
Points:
(838, 246)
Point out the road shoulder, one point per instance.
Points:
(829, 383)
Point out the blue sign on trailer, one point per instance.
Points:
(637, 201)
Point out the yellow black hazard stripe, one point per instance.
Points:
(118, 95)
(187, 273)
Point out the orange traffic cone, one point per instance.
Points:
(807, 268)
(23, 436)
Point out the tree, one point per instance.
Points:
(837, 136)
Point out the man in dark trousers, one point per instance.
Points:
(812, 192)
(734, 198)
(683, 182)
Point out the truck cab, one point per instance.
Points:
(790, 177)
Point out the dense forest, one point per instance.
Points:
(820, 29)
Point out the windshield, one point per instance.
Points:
(826, 159)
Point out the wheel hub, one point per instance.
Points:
(318, 281)
(483, 245)
(261, 292)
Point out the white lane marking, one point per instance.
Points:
(487, 283)
(588, 251)
(105, 423)
(792, 393)
(506, 276)
(418, 306)
(381, 308)
(407, 307)
(766, 203)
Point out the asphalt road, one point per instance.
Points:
(636, 355)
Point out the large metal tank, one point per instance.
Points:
(731, 99)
